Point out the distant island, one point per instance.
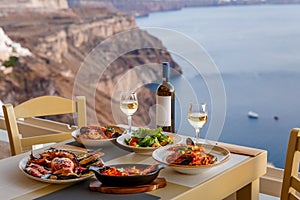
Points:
(143, 8)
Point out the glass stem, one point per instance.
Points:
(129, 123)
(197, 136)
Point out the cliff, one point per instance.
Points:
(59, 43)
(17, 5)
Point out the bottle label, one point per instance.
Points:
(163, 110)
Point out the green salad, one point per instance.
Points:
(146, 137)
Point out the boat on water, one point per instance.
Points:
(253, 115)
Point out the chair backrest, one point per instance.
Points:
(291, 182)
(38, 107)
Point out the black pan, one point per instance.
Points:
(124, 181)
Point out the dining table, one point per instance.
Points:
(238, 176)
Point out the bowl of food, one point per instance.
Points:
(146, 140)
(97, 136)
(191, 159)
(125, 175)
(60, 166)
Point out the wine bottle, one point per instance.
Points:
(165, 102)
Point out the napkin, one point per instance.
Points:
(241, 150)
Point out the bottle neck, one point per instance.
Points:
(166, 71)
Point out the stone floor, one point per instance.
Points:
(4, 149)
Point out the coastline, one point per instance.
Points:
(163, 6)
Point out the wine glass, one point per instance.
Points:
(197, 117)
(129, 105)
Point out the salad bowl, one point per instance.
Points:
(145, 141)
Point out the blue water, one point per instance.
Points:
(257, 51)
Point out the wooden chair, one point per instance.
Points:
(291, 182)
(37, 107)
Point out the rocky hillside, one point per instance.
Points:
(19, 5)
(59, 43)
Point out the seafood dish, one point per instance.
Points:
(56, 165)
(132, 170)
(124, 175)
(191, 159)
(189, 155)
(97, 135)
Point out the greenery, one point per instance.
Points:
(11, 62)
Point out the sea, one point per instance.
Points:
(256, 53)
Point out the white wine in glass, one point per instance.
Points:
(129, 105)
(197, 117)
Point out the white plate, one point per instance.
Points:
(97, 143)
(145, 150)
(221, 154)
(22, 165)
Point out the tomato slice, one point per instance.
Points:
(134, 142)
(109, 135)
